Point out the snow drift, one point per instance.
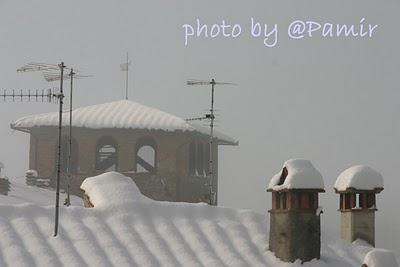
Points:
(111, 189)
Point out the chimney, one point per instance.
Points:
(358, 187)
(295, 225)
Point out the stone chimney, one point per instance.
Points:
(358, 187)
(295, 225)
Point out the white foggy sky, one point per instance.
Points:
(334, 102)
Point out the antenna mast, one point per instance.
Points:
(125, 68)
(211, 117)
(51, 77)
(53, 67)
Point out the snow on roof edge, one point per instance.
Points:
(118, 114)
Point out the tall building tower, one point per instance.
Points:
(358, 187)
(295, 225)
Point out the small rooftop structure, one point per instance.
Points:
(358, 186)
(297, 174)
(165, 155)
(359, 177)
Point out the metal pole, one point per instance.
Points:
(212, 197)
(127, 76)
(62, 66)
(68, 199)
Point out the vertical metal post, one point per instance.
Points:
(212, 196)
(61, 95)
(68, 199)
(127, 76)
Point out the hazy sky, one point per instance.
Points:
(331, 100)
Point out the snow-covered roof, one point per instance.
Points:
(146, 233)
(359, 177)
(123, 114)
(297, 174)
(111, 188)
(380, 258)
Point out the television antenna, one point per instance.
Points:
(52, 77)
(49, 95)
(125, 68)
(211, 117)
(32, 67)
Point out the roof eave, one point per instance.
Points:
(227, 143)
(354, 190)
(320, 190)
(21, 129)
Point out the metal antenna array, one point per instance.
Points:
(209, 116)
(30, 67)
(52, 77)
(49, 95)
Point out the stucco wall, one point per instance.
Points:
(170, 182)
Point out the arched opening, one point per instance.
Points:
(199, 157)
(146, 155)
(106, 154)
(192, 158)
(64, 157)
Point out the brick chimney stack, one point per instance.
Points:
(295, 225)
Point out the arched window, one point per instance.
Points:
(146, 155)
(106, 154)
(199, 157)
(65, 155)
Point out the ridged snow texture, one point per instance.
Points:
(148, 233)
(118, 114)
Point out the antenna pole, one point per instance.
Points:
(68, 199)
(61, 66)
(127, 76)
(211, 170)
(211, 117)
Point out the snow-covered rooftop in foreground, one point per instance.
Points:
(123, 114)
(359, 177)
(148, 233)
(301, 174)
